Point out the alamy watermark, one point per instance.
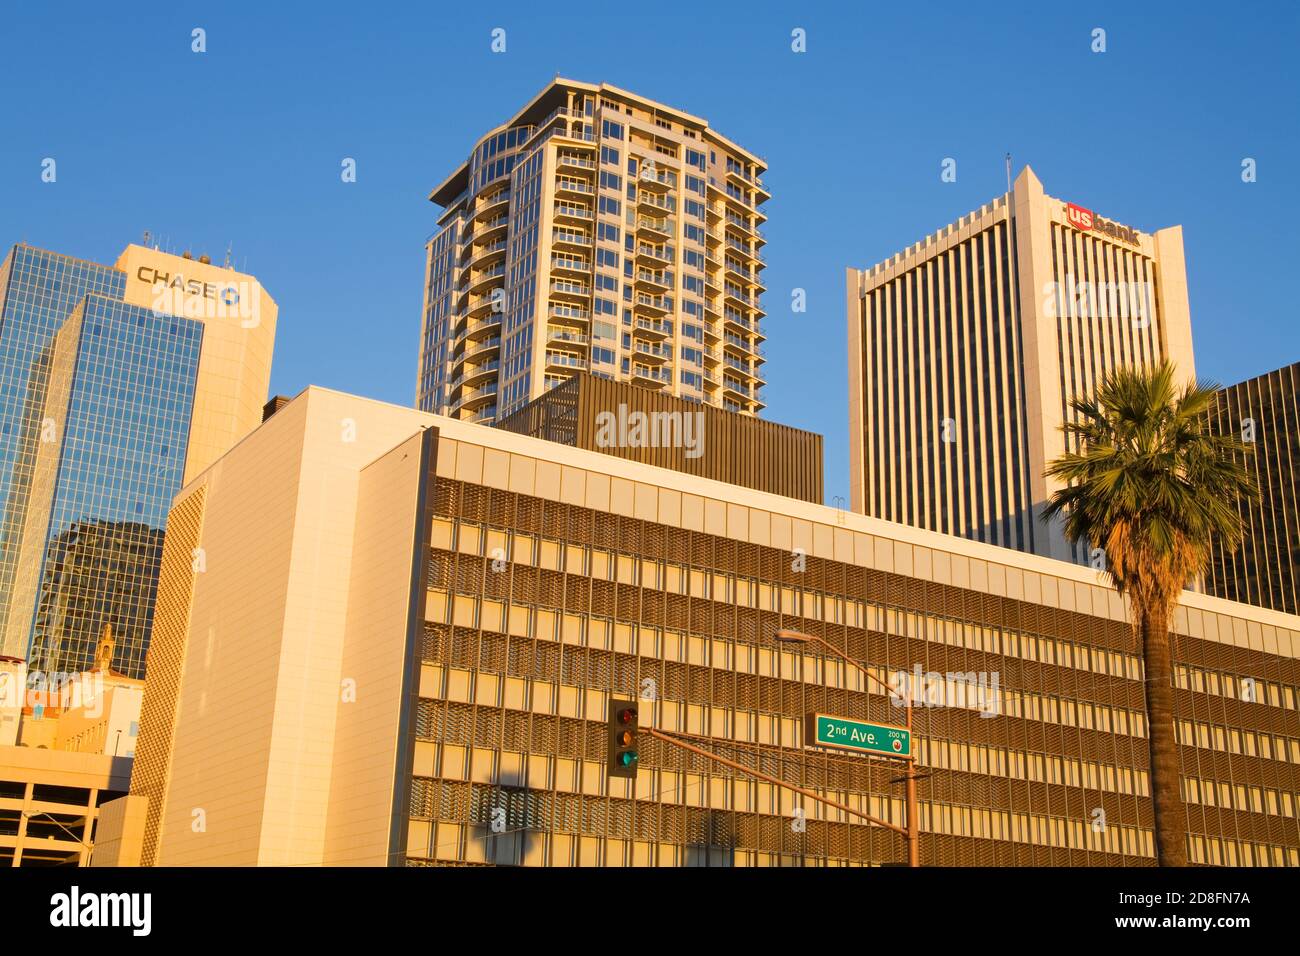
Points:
(969, 690)
(193, 299)
(632, 428)
(1105, 299)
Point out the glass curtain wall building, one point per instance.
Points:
(38, 291)
(1265, 569)
(111, 439)
(118, 381)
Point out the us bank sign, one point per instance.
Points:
(197, 299)
(1085, 220)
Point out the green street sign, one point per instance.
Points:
(827, 730)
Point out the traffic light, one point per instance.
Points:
(622, 760)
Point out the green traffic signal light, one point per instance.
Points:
(621, 737)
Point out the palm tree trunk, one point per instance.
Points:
(1170, 816)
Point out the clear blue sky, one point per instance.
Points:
(243, 143)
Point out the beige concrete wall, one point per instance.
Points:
(119, 834)
(254, 738)
(375, 662)
(238, 340)
(224, 714)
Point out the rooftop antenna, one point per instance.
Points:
(230, 246)
(145, 241)
(1008, 172)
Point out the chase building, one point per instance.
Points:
(119, 384)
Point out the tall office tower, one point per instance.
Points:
(967, 349)
(119, 384)
(486, 595)
(594, 230)
(1265, 569)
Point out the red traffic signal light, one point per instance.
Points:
(622, 734)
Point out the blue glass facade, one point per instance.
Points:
(38, 291)
(99, 426)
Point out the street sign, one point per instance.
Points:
(827, 730)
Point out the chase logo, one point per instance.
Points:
(229, 296)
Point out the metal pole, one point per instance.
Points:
(913, 820)
(659, 735)
(913, 830)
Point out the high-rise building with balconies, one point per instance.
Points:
(594, 230)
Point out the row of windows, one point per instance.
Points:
(1012, 702)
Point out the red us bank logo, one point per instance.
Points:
(1078, 217)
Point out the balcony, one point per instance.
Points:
(562, 338)
(571, 161)
(731, 385)
(654, 255)
(490, 229)
(736, 364)
(656, 376)
(732, 317)
(482, 305)
(480, 374)
(473, 399)
(570, 264)
(497, 203)
(481, 256)
(738, 222)
(653, 328)
(566, 237)
(564, 360)
(739, 295)
(744, 250)
(661, 227)
(568, 313)
(486, 278)
(573, 187)
(737, 175)
(742, 345)
(576, 289)
(658, 353)
(657, 304)
(481, 350)
(571, 212)
(661, 180)
(662, 281)
(648, 200)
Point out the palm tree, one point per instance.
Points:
(1150, 483)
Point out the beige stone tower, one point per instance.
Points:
(967, 349)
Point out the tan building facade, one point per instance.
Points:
(413, 663)
(619, 418)
(239, 319)
(967, 349)
(595, 230)
(65, 751)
